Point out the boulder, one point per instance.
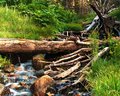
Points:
(9, 68)
(41, 85)
(38, 62)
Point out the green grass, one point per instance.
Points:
(105, 74)
(4, 61)
(73, 27)
(13, 25)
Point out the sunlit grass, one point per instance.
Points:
(13, 25)
(105, 74)
(106, 78)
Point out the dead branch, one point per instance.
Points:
(80, 51)
(65, 63)
(67, 58)
(67, 72)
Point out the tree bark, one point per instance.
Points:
(23, 45)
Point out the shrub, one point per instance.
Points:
(114, 48)
(2, 2)
(46, 13)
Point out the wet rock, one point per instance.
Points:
(40, 85)
(1, 88)
(6, 92)
(14, 86)
(9, 68)
(39, 73)
(37, 62)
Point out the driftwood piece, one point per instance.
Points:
(65, 63)
(80, 51)
(67, 72)
(67, 58)
(106, 23)
(23, 45)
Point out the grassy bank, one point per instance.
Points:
(13, 25)
(105, 74)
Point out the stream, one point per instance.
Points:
(20, 80)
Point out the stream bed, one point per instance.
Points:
(24, 75)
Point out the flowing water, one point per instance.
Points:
(19, 81)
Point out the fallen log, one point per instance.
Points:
(24, 45)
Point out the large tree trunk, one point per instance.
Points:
(23, 45)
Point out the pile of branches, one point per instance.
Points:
(69, 72)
